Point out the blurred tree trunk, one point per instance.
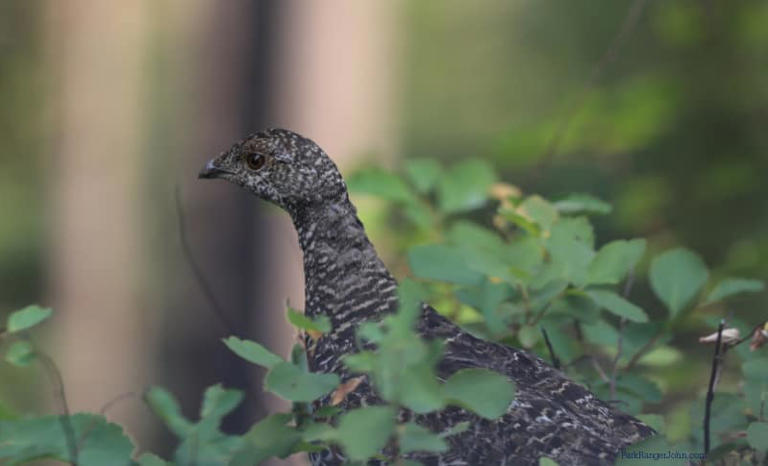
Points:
(333, 81)
(147, 92)
(211, 71)
(96, 50)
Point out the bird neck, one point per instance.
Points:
(344, 277)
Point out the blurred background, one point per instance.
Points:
(109, 109)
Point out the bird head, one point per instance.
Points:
(281, 167)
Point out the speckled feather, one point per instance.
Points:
(345, 279)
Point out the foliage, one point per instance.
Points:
(536, 278)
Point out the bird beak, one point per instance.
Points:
(210, 171)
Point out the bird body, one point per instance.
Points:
(346, 281)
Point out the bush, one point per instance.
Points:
(535, 279)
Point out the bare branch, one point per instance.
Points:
(627, 28)
(643, 350)
(615, 362)
(107, 406)
(61, 400)
(555, 360)
(599, 369)
(713, 376)
(620, 339)
(202, 281)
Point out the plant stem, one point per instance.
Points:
(61, 399)
(555, 360)
(712, 381)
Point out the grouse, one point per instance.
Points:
(345, 280)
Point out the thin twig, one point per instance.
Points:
(712, 381)
(599, 369)
(615, 361)
(625, 31)
(218, 310)
(620, 339)
(555, 360)
(642, 351)
(748, 336)
(61, 399)
(107, 406)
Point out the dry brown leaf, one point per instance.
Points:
(730, 336)
(345, 389)
(503, 191)
(759, 337)
(314, 334)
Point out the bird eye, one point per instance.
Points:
(255, 161)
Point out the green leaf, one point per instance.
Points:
(576, 306)
(364, 432)
(566, 347)
(544, 461)
(252, 352)
(755, 394)
(465, 186)
(21, 353)
(727, 416)
(642, 387)
(617, 305)
(756, 369)
(482, 391)
(217, 403)
(487, 298)
(423, 173)
(600, 333)
(661, 356)
(538, 210)
(655, 421)
(363, 361)
(165, 406)
(319, 431)
(201, 442)
(582, 203)
(757, 435)
(441, 262)
(379, 183)
(267, 438)
(570, 249)
(636, 336)
(293, 384)
(414, 437)
(410, 295)
(614, 260)
(677, 276)
(99, 442)
(300, 320)
(27, 317)
(528, 336)
(732, 286)
(424, 393)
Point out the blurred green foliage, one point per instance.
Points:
(532, 275)
(23, 136)
(673, 129)
(533, 266)
(673, 133)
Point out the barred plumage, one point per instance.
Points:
(551, 416)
